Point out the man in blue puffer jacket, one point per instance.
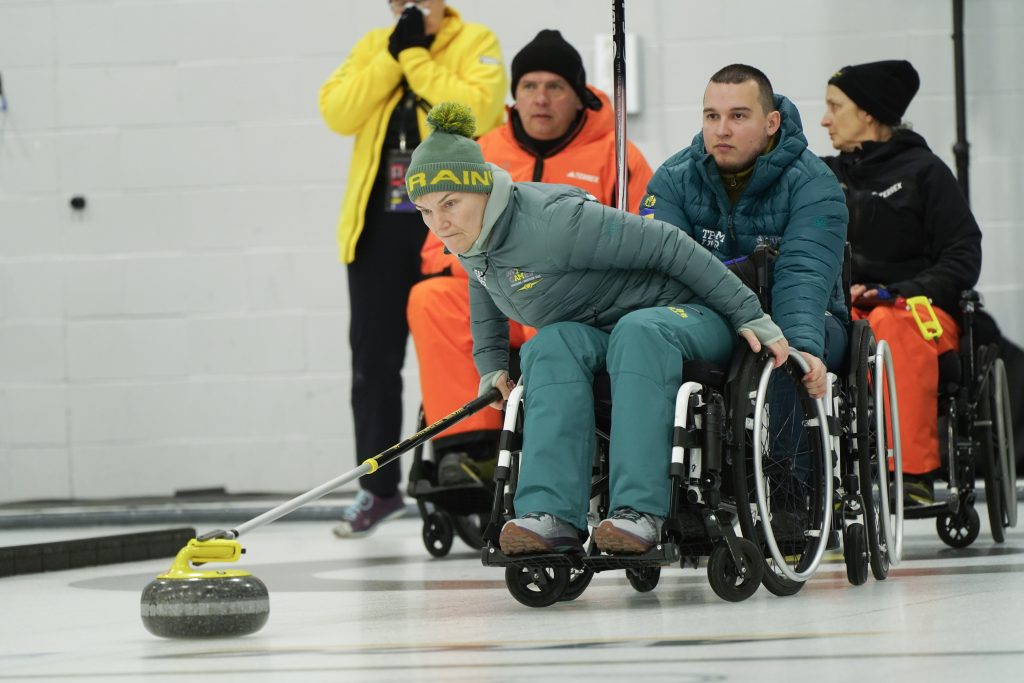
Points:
(749, 179)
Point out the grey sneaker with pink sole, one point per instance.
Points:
(539, 532)
(628, 532)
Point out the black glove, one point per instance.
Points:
(409, 32)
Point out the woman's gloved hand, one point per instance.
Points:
(410, 31)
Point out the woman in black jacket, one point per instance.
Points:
(912, 234)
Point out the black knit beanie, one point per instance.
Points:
(549, 51)
(882, 89)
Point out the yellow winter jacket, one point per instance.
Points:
(463, 64)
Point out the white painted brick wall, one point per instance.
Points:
(189, 329)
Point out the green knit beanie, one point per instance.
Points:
(449, 159)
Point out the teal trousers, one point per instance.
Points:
(644, 356)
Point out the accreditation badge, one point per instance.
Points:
(396, 163)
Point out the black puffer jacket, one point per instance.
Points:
(910, 227)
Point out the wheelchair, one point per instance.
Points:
(837, 475)
(446, 511)
(449, 511)
(700, 522)
(727, 470)
(740, 459)
(975, 433)
(860, 409)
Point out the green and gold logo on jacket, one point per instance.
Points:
(647, 207)
(522, 280)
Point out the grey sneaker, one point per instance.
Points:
(458, 469)
(628, 531)
(539, 532)
(368, 510)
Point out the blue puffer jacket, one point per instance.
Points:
(793, 202)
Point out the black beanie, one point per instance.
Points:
(549, 51)
(882, 89)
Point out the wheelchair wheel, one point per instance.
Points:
(873, 416)
(1004, 437)
(470, 529)
(537, 586)
(579, 579)
(782, 470)
(995, 433)
(960, 530)
(855, 552)
(438, 533)
(984, 435)
(724, 578)
(643, 579)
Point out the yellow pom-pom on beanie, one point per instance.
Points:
(449, 159)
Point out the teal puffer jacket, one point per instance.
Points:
(554, 254)
(793, 202)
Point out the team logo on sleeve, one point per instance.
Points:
(647, 207)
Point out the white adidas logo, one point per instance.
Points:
(579, 175)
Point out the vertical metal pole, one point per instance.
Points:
(619, 68)
(961, 149)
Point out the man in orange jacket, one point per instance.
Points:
(560, 130)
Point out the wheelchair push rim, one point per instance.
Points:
(885, 395)
(783, 566)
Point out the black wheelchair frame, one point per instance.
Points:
(446, 511)
(975, 432)
(699, 524)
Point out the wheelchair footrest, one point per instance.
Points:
(465, 499)
(492, 556)
(661, 555)
(928, 511)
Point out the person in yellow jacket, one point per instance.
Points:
(381, 94)
(560, 130)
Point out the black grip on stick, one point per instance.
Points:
(619, 73)
(474, 406)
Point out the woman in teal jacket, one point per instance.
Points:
(607, 290)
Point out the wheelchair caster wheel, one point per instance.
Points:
(959, 531)
(725, 577)
(644, 579)
(579, 579)
(469, 528)
(438, 533)
(537, 586)
(855, 552)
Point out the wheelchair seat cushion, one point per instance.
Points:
(707, 373)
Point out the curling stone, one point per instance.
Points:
(188, 603)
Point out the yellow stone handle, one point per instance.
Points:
(200, 552)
